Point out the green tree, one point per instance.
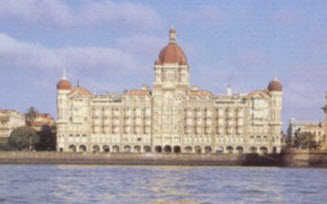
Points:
(47, 139)
(305, 140)
(30, 115)
(23, 138)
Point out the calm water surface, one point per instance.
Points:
(153, 184)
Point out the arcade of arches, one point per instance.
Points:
(170, 149)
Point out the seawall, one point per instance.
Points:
(135, 159)
(305, 158)
(288, 159)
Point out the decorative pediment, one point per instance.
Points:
(80, 92)
(138, 92)
(259, 94)
(199, 93)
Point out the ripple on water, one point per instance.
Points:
(153, 184)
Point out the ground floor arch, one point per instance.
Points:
(253, 150)
(137, 148)
(198, 149)
(207, 149)
(188, 149)
(220, 150)
(147, 148)
(96, 149)
(115, 148)
(240, 149)
(72, 148)
(229, 149)
(106, 148)
(82, 148)
(274, 150)
(127, 148)
(177, 149)
(158, 149)
(263, 150)
(167, 149)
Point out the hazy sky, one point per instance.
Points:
(112, 45)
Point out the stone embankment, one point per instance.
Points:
(305, 158)
(133, 159)
(288, 159)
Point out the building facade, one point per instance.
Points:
(9, 120)
(172, 116)
(317, 129)
(324, 144)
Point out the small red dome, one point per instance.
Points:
(172, 53)
(275, 85)
(64, 85)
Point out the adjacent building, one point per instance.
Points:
(41, 120)
(172, 116)
(324, 144)
(9, 120)
(316, 128)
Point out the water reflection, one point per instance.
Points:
(153, 184)
(169, 185)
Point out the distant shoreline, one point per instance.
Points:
(285, 160)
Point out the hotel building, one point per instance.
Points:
(172, 116)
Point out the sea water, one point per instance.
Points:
(160, 184)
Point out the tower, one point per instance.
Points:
(171, 68)
(275, 89)
(63, 89)
(170, 86)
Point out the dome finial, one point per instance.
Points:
(276, 78)
(64, 74)
(64, 84)
(172, 34)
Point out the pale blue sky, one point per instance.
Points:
(112, 45)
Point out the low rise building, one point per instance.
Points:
(324, 144)
(41, 120)
(316, 128)
(9, 120)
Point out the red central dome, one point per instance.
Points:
(172, 53)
